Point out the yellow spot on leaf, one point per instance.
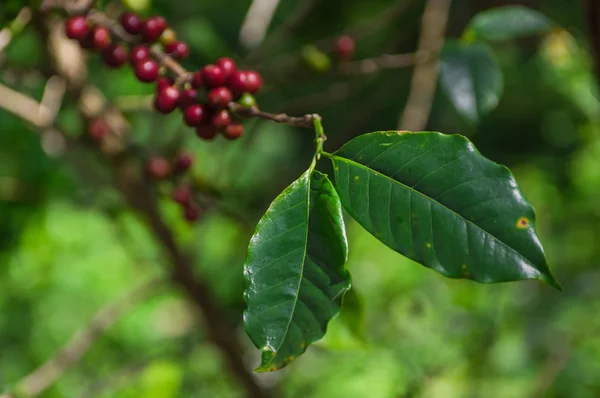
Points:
(523, 223)
(356, 178)
(428, 245)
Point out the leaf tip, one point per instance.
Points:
(550, 280)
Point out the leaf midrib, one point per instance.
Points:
(360, 165)
(301, 276)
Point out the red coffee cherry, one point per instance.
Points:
(195, 115)
(183, 162)
(234, 130)
(192, 212)
(254, 82)
(101, 38)
(138, 54)
(152, 28)
(178, 50)
(166, 99)
(228, 66)
(146, 71)
(344, 48)
(206, 132)
(98, 129)
(221, 119)
(114, 56)
(158, 168)
(182, 195)
(188, 98)
(213, 76)
(197, 80)
(131, 22)
(164, 82)
(219, 97)
(237, 82)
(77, 27)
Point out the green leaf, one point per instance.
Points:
(295, 270)
(435, 199)
(505, 23)
(471, 78)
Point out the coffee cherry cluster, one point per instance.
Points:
(159, 168)
(203, 97)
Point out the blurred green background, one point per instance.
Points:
(69, 244)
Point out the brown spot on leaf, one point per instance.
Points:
(523, 223)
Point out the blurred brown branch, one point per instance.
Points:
(386, 61)
(424, 82)
(43, 377)
(16, 26)
(139, 192)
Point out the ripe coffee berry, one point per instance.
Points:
(182, 195)
(219, 97)
(253, 82)
(152, 28)
(77, 28)
(183, 162)
(98, 129)
(197, 80)
(195, 115)
(213, 76)
(166, 99)
(237, 83)
(188, 98)
(344, 48)
(192, 212)
(158, 168)
(221, 119)
(114, 56)
(234, 130)
(164, 82)
(177, 49)
(101, 38)
(138, 54)
(131, 22)
(206, 132)
(228, 66)
(146, 71)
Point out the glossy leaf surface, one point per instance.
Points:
(471, 78)
(437, 200)
(509, 22)
(295, 270)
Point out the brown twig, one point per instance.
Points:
(386, 61)
(305, 121)
(43, 377)
(424, 80)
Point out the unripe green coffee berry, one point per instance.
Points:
(247, 100)
(316, 59)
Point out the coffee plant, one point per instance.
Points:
(429, 196)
